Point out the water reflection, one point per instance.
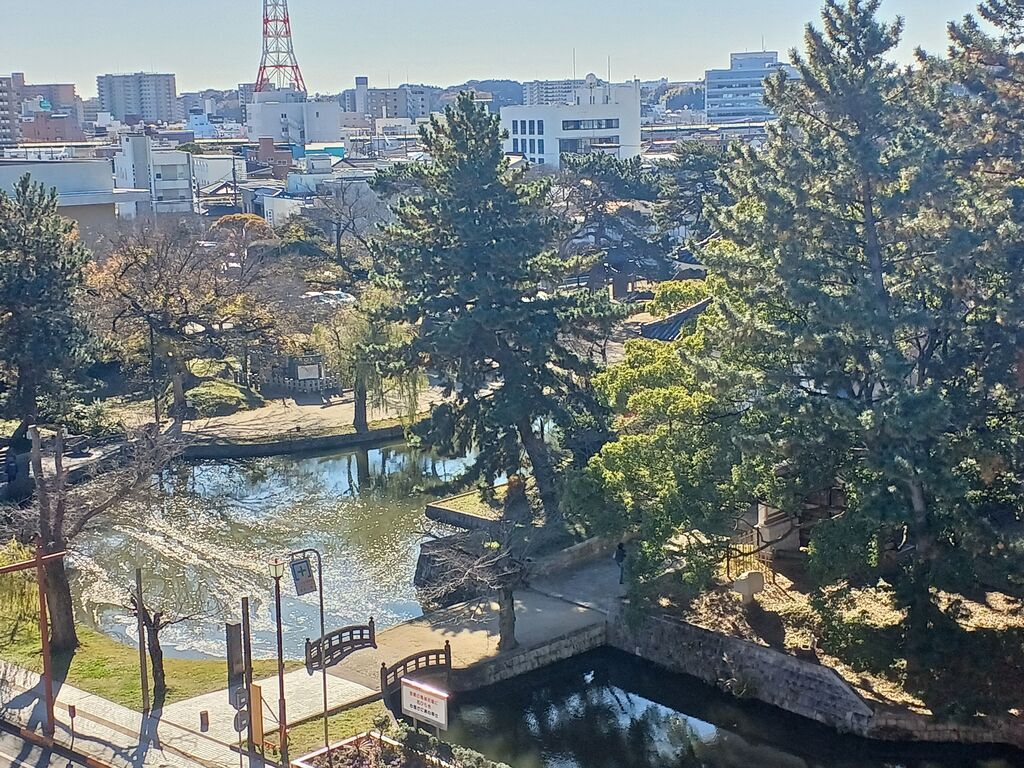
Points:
(204, 536)
(610, 710)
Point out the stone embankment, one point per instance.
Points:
(787, 682)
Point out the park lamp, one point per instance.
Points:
(276, 567)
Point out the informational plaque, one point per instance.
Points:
(302, 575)
(306, 372)
(424, 703)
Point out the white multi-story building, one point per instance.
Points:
(209, 169)
(85, 189)
(166, 173)
(599, 117)
(538, 92)
(142, 96)
(285, 115)
(736, 95)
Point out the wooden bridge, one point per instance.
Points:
(438, 659)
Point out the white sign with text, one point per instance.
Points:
(425, 703)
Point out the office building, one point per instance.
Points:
(736, 95)
(166, 173)
(140, 97)
(407, 100)
(602, 117)
(285, 115)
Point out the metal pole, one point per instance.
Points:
(282, 717)
(323, 632)
(44, 636)
(247, 656)
(143, 673)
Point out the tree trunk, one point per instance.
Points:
(543, 472)
(359, 420)
(921, 609)
(506, 620)
(156, 655)
(63, 636)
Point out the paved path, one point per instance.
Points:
(303, 693)
(107, 732)
(16, 752)
(593, 585)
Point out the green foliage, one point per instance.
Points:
(675, 295)
(42, 335)
(865, 332)
(691, 182)
(219, 397)
(191, 147)
(94, 419)
(471, 246)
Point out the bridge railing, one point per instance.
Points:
(336, 645)
(435, 659)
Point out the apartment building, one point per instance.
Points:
(147, 97)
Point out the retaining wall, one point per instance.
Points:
(801, 687)
(285, 445)
(523, 660)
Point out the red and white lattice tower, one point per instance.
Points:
(278, 66)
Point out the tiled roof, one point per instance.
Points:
(669, 328)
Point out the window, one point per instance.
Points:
(540, 129)
(515, 126)
(533, 125)
(540, 161)
(515, 145)
(590, 125)
(540, 146)
(533, 146)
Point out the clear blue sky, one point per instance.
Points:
(216, 43)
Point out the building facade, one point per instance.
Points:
(736, 95)
(139, 97)
(601, 117)
(166, 173)
(85, 189)
(285, 115)
(541, 92)
(10, 108)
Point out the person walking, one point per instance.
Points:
(620, 558)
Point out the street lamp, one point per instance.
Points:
(276, 567)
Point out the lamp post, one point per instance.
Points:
(276, 572)
(300, 553)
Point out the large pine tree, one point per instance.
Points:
(42, 336)
(866, 334)
(472, 255)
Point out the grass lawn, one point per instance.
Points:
(309, 736)
(100, 665)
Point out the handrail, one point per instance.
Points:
(333, 647)
(391, 676)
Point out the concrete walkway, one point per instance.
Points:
(106, 732)
(303, 693)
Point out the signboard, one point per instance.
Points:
(302, 575)
(305, 372)
(424, 703)
(236, 662)
(256, 712)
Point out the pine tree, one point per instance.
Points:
(42, 336)
(472, 254)
(865, 335)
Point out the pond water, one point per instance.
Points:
(607, 709)
(204, 537)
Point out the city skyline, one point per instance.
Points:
(334, 44)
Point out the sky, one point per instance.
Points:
(216, 43)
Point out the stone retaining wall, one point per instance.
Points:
(570, 557)
(744, 668)
(438, 512)
(801, 687)
(523, 660)
(285, 445)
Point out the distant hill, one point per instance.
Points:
(504, 92)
